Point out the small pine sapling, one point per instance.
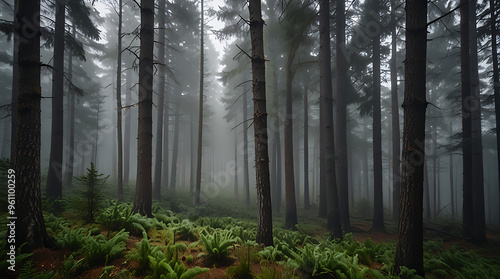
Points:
(91, 198)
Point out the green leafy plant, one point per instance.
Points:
(71, 239)
(28, 271)
(242, 269)
(99, 250)
(217, 244)
(55, 224)
(185, 230)
(173, 270)
(90, 202)
(72, 266)
(143, 252)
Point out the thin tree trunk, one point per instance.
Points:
(307, 203)
(396, 146)
(409, 249)
(496, 84)
(378, 198)
(427, 204)
(452, 186)
(143, 192)
(467, 208)
(246, 182)
(126, 136)
(200, 115)
(290, 203)
(236, 193)
(119, 112)
(365, 162)
(341, 70)
(71, 125)
(175, 148)
(277, 140)
(54, 176)
(30, 226)
(434, 170)
(327, 144)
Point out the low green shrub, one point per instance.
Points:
(98, 250)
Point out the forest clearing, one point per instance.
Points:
(249, 139)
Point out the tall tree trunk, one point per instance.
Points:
(427, 203)
(143, 192)
(200, 115)
(246, 182)
(70, 161)
(191, 172)
(290, 203)
(126, 136)
(341, 69)
(119, 112)
(435, 206)
(396, 146)
(409, 249)
(466, 123)
(496, 83)
(365, 162)
(277, 140)
(236, 193)
(54, 176)
(378, 198)
(327, 144)
(307, 202)
(175, 147)
(452, 186)
(161, 102)
(264, 208)
(30, 226)
(15, 79)
(479, 221)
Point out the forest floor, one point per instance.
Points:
(442, 233)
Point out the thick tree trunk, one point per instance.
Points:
(409, 249)
(30, 226)
(15, 79)
(54, 176)
(341, 154)
(479, 221)
(378, 199)
(496, 83)
(119, 112)
(327, 144)
(396, 146)
(264, 208)
(200, 115)
(307, 202)
(143, 192)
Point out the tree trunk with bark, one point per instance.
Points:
(30, 226)
(290, 202)
(143, 192)
(307, 202)
(409, 249)
(119, 113)
(175, 148)
(327, 145)
(396, 146)
(378, 199)
(496, 82)
(68, 175)
(341, 154)
(200, 115)
(246, 179)
(15, 79)
(479, 219)
(264, 208)
(54, 176)
(126, 136)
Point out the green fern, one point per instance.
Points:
(174, 270)
(72, 266)
(185, 230)
(28, 271)
(217, 244)
(99, 250)
(143, 251)
(72, 240)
